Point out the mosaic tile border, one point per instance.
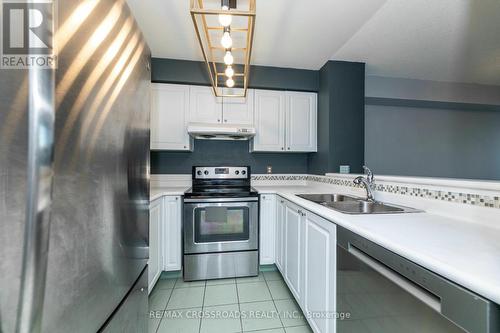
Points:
(280, 177)
(456, 197)
(420, 192)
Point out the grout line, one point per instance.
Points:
(202, 304)
(239, 307)
(274, 303)
(165, 309)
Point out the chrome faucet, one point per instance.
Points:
(367, 182)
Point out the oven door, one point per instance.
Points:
(221, 225)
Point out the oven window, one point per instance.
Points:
(216, 224)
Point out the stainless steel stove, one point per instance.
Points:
(220, 224)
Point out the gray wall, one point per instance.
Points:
(434, 129)
(340, 118)
(408, 127)
(261, 77)
(212, 152)
(208, 152)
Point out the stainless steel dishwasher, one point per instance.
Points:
(379, 291)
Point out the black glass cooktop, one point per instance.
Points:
(220, 192)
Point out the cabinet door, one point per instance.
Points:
(169, 116)
(293, 249)
(204, 107)
(280, 235)
(301, 121)
(267, 228)
(154, 262)
(319, 272)
(269, 121)
(238, 110)
(172, 236)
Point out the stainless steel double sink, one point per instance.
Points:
(354, 205)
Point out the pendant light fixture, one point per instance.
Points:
(227, 45)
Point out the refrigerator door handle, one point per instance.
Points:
(41, 114)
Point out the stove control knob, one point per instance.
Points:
(198, 173)
(237, 172)
(243, 172)
(206, 172)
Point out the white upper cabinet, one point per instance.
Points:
(269, 121)
(238, 110)
(169, 112)
(285, 121)
(301, 121)
(204, 107)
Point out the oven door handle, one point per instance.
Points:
(420, 293)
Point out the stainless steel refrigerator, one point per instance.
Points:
(74, 179)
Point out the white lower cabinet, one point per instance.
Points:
(155, 253)
(165, 246)
(294, 249)
(279, 251)
(267, 228)
(172, 235)
(305, 254)
(319, 273)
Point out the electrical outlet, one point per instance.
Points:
(269, 169)
(345, 169)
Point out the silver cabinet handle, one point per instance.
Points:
(41, 115)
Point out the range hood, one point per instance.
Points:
(220, 131)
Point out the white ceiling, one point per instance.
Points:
(441, 40)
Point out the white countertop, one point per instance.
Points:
(466, 253)
(158, 192)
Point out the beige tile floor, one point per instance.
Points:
(261, 304)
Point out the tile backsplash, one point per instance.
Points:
(415, 190)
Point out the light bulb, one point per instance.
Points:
(228, 58)
(230, 83)
(226, 40)
(229, 71)
(224, 19)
